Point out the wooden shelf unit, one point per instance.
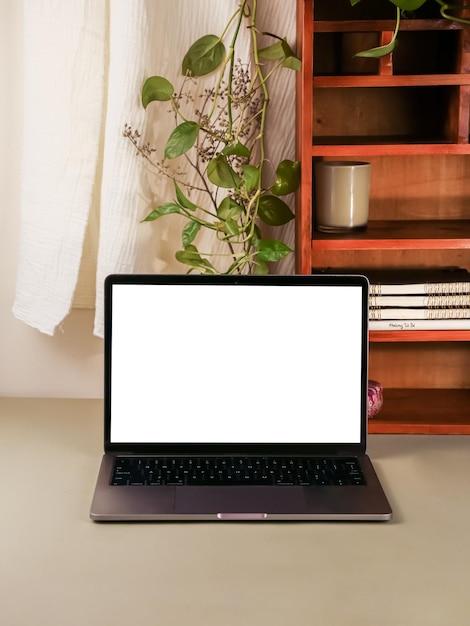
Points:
(410, 117)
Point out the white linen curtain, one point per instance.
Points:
(84, 64)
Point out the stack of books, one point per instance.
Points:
(430, 299)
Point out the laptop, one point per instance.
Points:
(233, 398)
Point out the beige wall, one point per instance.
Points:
(31, 364)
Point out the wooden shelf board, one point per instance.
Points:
(377, 26)
(393, 80)
(334, 147)
(417, 336)
(399, 235)
(423, 411)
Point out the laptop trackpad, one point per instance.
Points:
(239, 500)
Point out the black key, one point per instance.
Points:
(119, 480)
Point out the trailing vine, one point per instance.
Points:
(221, 135)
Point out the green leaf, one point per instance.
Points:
(156, 88)
(380, 51)
(251, 177)
(290, 60)
(236, 149)
(408, 5)
(270, 250)
(293, 63)
(272, 53)
(204, 56)
(354, 2)
(181, 139)
(231, 228)
(183, 201)
(287, 178)
(274, 211)
(189, 232)
(228, 209)
(190, 256)
(221, 174)
(281, 51)
(164, 209)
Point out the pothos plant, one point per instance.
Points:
(448, 11)
(221, 135)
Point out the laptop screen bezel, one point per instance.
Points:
(262, 449)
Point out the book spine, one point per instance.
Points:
(418, 314)
(463, 324)
(430, 289)
(432, 301)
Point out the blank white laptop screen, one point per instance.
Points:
(236, 364)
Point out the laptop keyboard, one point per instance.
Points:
(178, 471)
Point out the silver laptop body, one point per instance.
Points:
(206, 367)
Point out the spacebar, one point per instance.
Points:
(226, 482)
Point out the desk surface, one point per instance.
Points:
(59, 568)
